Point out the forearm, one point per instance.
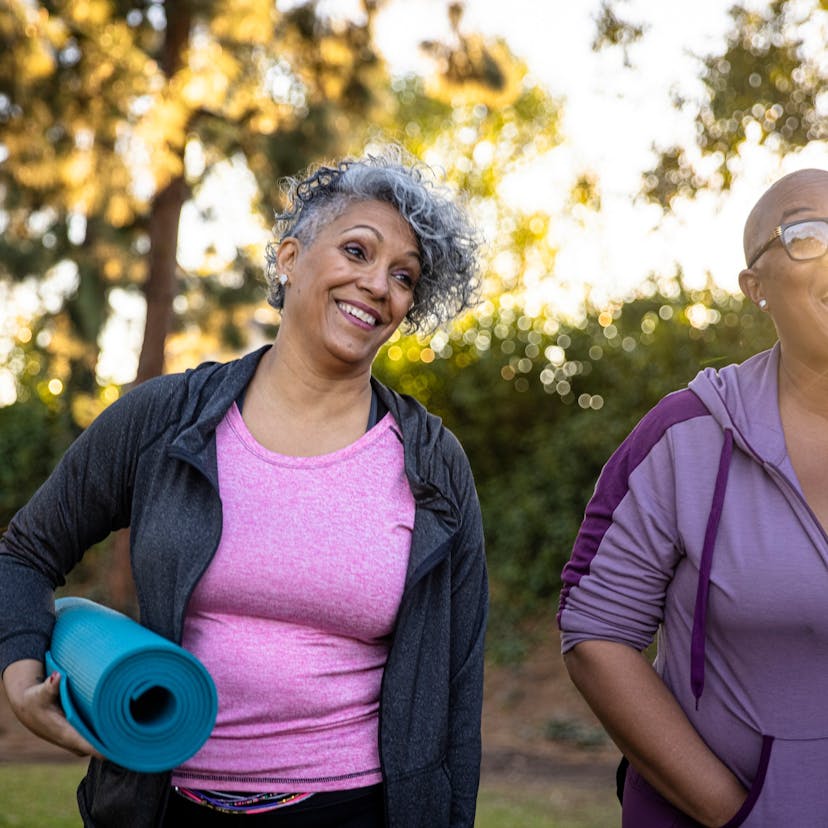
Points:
(19, 676)
(26, 610)
(648, 725)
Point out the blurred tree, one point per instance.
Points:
(33, 435)
(483, 142)
(115, 113)
(612, 30)
(36, 430)
(767, 87)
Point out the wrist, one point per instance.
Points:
(729, 810)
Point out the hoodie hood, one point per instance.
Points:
(745, 399)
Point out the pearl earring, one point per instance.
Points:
(283, 277)
(763, 304)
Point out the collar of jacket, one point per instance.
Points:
(211, 388)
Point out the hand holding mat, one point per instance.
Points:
(142, 701)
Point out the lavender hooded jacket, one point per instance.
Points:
(698, 529)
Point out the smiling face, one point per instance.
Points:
(351, 287)
(796, 292)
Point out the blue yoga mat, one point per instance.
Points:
(142, 701)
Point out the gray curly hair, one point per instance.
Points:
(449, 245)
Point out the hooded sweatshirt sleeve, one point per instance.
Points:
(629, 545)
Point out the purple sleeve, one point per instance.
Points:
(627, 548)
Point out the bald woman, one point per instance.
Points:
(707, 530)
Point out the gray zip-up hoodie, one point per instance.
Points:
(698, 529)
(149, 462)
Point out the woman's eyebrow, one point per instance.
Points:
(365, 227)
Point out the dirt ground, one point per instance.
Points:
(537, 731)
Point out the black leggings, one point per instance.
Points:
(365, 809)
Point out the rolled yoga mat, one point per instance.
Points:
(142, 701)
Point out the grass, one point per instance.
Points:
(43, 796)
(40, 795)
(557, 806)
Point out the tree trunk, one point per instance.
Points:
(159, 289)
(165, 216)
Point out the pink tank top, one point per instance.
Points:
(293, 616)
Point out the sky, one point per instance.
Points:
(613, 115)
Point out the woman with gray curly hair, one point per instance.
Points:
(447, 243)
(313, 537)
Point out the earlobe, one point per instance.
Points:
(752, 288)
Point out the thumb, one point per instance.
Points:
(50, 688)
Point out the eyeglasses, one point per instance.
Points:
(804, 239)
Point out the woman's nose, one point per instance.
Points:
(374, 279)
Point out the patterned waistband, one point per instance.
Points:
(236, 802)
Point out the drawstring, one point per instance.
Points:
(700, 612)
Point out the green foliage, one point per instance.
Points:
(613, 31)
(37, 429)
(540, 405)
(116, 115)
(764, 89)
(480, 141)
(33, 436)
